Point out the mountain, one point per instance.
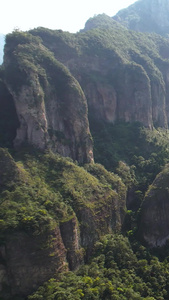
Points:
(122, 73)
(52, 213)
(146, 16)
(2, 42)
(84, 153)
(42, 90)
(154, 223)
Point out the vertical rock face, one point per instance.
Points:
(29, 260)
(154, 219)
(71, 238)
(164, 89)
(120, 93)
(50, 104)
(8, 118)
(103, 101)
(134, 95)
(121, 72)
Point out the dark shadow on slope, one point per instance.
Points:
(8, 117)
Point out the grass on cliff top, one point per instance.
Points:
(105, 38)
(25, 55)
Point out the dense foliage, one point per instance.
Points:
(47, 188)
(106, 38)
(29, 57)
(115, 272)
(135, 153)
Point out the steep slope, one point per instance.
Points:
(9, 122)
(50, 104)
(146, 16)
(51, 214)
(123, 74)
(154, 220)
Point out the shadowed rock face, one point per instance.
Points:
(154, 219)
(9, 122)
(29, 261)
(50, 104)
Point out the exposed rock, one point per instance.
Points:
(44, 234)
(71, 238)
(120, 83)
(8, 118)
(154, 218)
(50, 104)
(31, 260)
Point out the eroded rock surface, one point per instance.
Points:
(50, 104)
(154, 220)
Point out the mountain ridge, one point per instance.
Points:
(146, 16)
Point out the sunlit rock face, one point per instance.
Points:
(146, 16)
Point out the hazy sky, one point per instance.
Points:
(69, 15)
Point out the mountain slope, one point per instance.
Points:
(154, 222)
(51, 214)
(146, 16)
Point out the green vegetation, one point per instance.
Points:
(144, 16)
(137, 154)
(27, 202)
(28, 57)
(115, 272)
(40, 191)
(49, 189)
(115, 44)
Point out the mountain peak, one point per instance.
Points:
(146, 16)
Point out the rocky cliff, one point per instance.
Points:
(121, 72)
(146, 16)
(52, 212)
(50, 105)
(154, 220)
(121, 83)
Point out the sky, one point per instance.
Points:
(68, 15)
